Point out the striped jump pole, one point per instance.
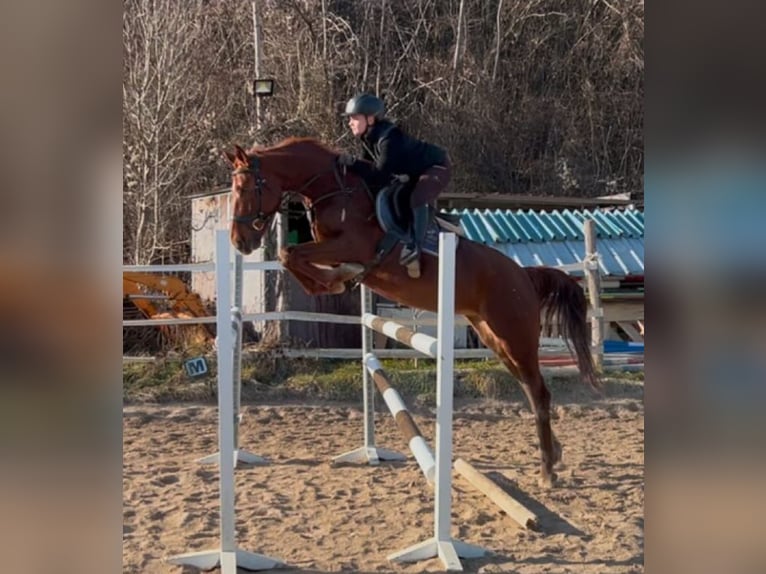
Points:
(419, 341)
(369, 453)
(404, 421)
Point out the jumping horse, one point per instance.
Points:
(502, 301)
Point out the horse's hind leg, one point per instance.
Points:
(540, 399)
(521, 359)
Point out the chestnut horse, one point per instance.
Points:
(500, 299)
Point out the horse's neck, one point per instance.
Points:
(298, 167)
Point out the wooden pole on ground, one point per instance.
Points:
(491, 490)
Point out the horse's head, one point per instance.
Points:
(256, 196)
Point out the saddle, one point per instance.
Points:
(392, 208)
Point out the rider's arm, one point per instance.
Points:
(369, 173)
(388, 163)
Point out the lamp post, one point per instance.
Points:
(261, 88)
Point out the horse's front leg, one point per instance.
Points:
(309, 285)
(303, 260)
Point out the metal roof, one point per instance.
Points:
(556, 237)
(480, 200)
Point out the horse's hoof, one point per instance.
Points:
(548, 480)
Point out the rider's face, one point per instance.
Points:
(359, 123)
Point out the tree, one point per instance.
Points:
(529, 96)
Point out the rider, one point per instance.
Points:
(397, 155)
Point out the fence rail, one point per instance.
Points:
(205, 267)
(298, 316)
(548, 344)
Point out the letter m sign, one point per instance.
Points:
(196, 367)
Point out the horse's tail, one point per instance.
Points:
(563, 302)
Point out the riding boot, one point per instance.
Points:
(410, 257)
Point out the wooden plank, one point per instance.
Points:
(631, 331)
(497, 200)
(611, 333)
(517, 511)
(623, 311)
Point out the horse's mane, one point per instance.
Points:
(291, 141)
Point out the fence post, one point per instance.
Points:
(593, 280)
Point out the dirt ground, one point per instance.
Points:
(323, 518)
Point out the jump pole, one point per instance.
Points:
(404, 421)
(491, 490)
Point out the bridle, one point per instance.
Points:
(259, 220)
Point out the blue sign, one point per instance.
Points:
(196, 367)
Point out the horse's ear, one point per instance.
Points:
(238, 158)
(242, 155)
(230, 157)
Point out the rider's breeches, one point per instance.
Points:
(430, 184)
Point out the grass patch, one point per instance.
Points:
(268, 375)
(165, 380)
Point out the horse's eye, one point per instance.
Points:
(258, 224)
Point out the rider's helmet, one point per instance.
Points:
(366, 104)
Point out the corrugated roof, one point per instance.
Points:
(556, 237)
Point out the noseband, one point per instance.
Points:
(259, 219)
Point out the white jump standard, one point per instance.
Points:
(369, 453)
(240, 455)
(228, 556)
(442, 544)
(420, 342)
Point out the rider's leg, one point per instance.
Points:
(427, 189)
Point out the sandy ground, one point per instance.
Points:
(323, 518)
